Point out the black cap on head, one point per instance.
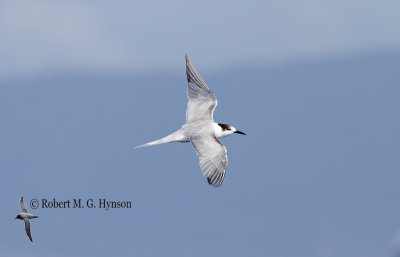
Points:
(224, 126)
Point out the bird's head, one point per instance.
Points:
(227, 130)
(18, 217)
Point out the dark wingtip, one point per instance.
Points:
(210, 182)
(187, 67)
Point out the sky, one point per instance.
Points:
(314, 85)
(44, 37)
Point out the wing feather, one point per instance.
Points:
(28, 228)
(213, 158)
(22, 205)
(202, 101)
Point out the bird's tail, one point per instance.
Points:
(177, 136)
(156, 142)
(34, 217)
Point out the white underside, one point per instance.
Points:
(187, 131)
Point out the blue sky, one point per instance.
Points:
(315, 87)
(125, 36)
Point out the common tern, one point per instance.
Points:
(25, 216)
(200, 128)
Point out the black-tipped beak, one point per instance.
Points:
(240, 132)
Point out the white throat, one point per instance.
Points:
(221, 133)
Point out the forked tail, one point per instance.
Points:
(156, 142)
(177, 136)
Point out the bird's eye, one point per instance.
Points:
(229, 128)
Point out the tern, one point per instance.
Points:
(25, 216)
(200, 128)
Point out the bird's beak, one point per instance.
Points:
(240, 132)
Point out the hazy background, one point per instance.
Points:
(314, 84)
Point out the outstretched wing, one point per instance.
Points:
(213, 158)
(23, 207)
(202, 101)
(28, 228)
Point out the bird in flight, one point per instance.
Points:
(200, 128)
(25, 216)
